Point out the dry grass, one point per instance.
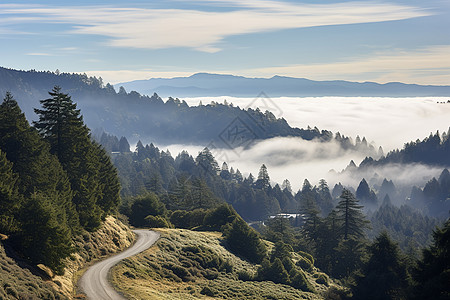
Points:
(195, 265)
(19, 283)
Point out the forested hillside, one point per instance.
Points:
(130, 114)
(433, 150)
(55, 181)
(191, 183)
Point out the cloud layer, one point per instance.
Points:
(390, 122)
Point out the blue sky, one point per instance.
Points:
(379, 41)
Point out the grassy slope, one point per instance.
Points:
(18, 283)
(154, 274)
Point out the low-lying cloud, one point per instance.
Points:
(389, 122)
(296, 159)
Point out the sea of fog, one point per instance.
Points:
(386, 122)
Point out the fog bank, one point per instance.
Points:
(389, 122)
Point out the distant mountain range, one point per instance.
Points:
(205, 84)
(149, 117)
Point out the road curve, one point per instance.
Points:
(94, 281)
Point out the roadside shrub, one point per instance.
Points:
(143, 206)
(227, 266)
(187, 219)
(11, 291)
(156, 222)
(211, 274)
(129, 275)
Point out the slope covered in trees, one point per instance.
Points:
(55, 181)
(433, 150)
(130, 114)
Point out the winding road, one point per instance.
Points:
(94, 281)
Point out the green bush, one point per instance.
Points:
(143, 206)
(180, 271)
(156, 222)
(304, 263)
(245, 241)
(307, 256)
(218, 217)
(211, 274)
(245, 276)
(187, 219)
(299, 281)
(226, 266)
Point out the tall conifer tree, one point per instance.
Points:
(61, 124)
(352, 220)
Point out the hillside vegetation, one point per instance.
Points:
(186, 264)
(18, 282)
(131, 114)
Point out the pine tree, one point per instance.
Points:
(61, 124)
(432, 273)
(110, 185)
(38, 170)
(286, 186)
(206, 161)
(10, 200)
(352, 220)
(263, 181)
(238, 176)
(42, 239)
(312, 219)
(365, 194)
(244, 241)
(124, 146)
(201, 195)
(324, 199)
(385, 274)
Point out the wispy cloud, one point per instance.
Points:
(205, 30)
(38, 54)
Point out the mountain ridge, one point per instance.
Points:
(212, 84)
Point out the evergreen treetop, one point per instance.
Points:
(349, 214)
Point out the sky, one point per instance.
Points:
(380, 41)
